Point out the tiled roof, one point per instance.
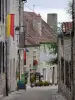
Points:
(31, 36)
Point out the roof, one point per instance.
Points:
(32, 37)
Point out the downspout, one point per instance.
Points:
(19, 34)
(6, 52)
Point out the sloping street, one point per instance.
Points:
(36, 93)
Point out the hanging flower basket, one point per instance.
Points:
(35, 62)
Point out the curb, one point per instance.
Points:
(12, 95)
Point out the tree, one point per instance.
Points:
(53, 50)
(69, 9)
(53, 61)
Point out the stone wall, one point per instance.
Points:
(74, 63)
(62, 87)
(2, 84)
(29, 55)
(29, 59)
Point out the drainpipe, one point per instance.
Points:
(6, 43)
(20, 1)
(19, 34)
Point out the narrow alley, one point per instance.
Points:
(37, 50)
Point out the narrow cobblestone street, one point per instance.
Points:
(36, 93)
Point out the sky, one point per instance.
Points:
(43, 7)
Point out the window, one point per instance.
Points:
(10, 68)
(34, 55)
(0, 10)
(62, 41)
(3, 59)
(62, 69)
(68, 74)
(0, 57)
(14, 68)
(3, 11)
(44, 73)
(24, 57)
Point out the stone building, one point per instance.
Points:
(15, 7)
(64, 60)
(49, 71)
(37, 31)
(8, 7)
(73, 51)
(2, 47)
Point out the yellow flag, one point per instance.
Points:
(8, 25)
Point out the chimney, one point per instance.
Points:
(52, 21)
(37, 25)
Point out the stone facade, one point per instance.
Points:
(48, 71)
(9, 7)
(64, 65)
(12, 8)
(2, 48)
(73, 61)
(32, 54)
(37, 32)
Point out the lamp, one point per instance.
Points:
(17, 28)
(26, 50)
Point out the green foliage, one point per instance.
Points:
(46, 83)
(41, 83)
(32, 80)
(69, 9)
(53, 61)
(53, 50)
(52, 47)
